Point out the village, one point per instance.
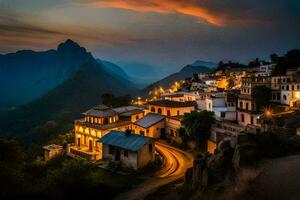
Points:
(130, 138)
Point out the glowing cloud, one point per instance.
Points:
(191, 8)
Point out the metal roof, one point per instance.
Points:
(132, 142)
(149, 120)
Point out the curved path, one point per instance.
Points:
(176, 162)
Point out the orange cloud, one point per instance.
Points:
(185, 7)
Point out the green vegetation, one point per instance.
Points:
(261, 96)
(110, 100)
(290, 60)
(54, 113)
(59, 178)
(277, 144)
(197, 127)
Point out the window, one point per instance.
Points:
(241, 104)
(152, 109)
(247, 106)
(147, 130)
(125, 153)
(111, 149)
(136, 117)
(223, 114)
(284, 97)
(178, 113)
(287, 87)
(251, 119)
(292, 87)
(142, 133)
(159, 110)
(150, 148)
(242, 118)
(168, 113)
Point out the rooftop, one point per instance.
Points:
(149, 120)
(103, 126)
(173, 104)
(132, 142)
(100, 111)
(127, 111)
(52, 147)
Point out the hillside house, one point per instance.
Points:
(171, 108)
(52, 150)
(97, 122)
(131, 151)
(151, 125)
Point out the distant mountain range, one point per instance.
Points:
(76, 82)
(185, 72)
(27, 75)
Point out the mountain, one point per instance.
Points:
(185, 72)
(67, 101)
(205, 63)
(143, 74)
(26, 75)
(114, 69)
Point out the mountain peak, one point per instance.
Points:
(69, 45)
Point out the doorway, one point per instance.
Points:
(78, 142)
(117, 155)
(91, 145)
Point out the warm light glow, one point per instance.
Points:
(297, 95)
(268, 113)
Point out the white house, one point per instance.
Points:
(266, 70)
(131, 151)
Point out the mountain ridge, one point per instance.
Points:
(185, 72)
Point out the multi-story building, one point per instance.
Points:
(97, 122)
(223, 105)
(285, 89)
(265, 70)
(247, 110)
(171, 108)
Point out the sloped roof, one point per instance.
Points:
(132, 142)
(128, 110)
(149, 120)
(100, 111)
(173, 104)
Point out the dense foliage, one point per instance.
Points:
(261, 96)
(55, 112)
(290, 60)
(197, 127)
(113, 101)
(277, 144)
(59, 178)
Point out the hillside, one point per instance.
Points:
(185, 72)
(66, 102)
(113, 68)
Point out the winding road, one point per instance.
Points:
(175, 164)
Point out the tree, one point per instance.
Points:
(197, 126)
(110, 100)
(261, 95)
(274, 58)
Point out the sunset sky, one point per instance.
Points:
(160, 33)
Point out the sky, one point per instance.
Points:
(162, 35)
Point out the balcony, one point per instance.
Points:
(85, 153)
